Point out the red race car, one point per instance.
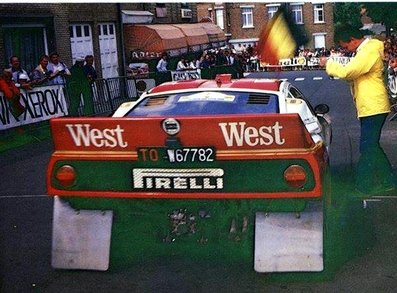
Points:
(246, 155)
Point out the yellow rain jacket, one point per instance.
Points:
(365, 71)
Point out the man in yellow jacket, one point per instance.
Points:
(365, 71)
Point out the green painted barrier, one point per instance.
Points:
(24, 135)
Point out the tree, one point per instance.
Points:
(347, 13)
(384, 13)
(379, 12)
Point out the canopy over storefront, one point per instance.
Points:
(196, 37)
(215, 34)
(151, 40)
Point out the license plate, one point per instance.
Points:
(182, 155)
(178, 155)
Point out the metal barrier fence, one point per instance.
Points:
(107, 95)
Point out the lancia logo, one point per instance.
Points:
(171, 126)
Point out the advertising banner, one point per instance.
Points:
(185, 75)
(302, 62)
(41, 103)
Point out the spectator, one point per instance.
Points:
(250, 50)
(23, 81)
(393, 66)
(206, 62)
(194, 64)
(89, 69)
(220, 58)
(229, 58)
(162, 64)
(254, 64)
(240, 49)
(16, 69)
(79, 87)
(391, 82)
(11, 93)
(40, 76)
(232, 49)
(182, 65)
(239, 65)
(59, 69)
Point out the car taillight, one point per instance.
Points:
(66, 175)
(295, 176)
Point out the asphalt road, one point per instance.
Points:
(26, 215)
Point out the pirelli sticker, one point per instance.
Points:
(178, 179)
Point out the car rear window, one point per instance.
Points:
(206, 103)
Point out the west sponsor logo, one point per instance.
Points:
(85, 135)
(240, 134)
(178, 179)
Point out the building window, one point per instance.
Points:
(219, 17)
(81, 40)
(319, 40)
(161, 10)
(318, 13)
(247, 17)
(271, 10)
(296, 11)
(25, 41)
(210, 14)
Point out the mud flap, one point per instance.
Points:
(80, 239)
(285, 242)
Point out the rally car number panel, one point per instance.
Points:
(177, 155)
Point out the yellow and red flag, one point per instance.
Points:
(279, 38)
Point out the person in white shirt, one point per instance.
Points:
(17, 71)
(193, 64)
(182, 64)
(58, 68)
(229, 58)
(162, 64)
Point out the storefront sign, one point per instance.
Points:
(141, 55)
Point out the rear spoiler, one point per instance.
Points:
(239, 132)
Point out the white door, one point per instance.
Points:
(108, 50)
(81, 41)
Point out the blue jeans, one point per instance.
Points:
(374, 171)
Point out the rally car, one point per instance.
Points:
(196, 166)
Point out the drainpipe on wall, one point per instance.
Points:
(121, 39)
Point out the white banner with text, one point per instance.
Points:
(41, 103)
(303, 62)
(186, 75)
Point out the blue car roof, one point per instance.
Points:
(206, 103)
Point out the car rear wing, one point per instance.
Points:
(248, 132)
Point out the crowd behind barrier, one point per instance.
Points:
(43, 103)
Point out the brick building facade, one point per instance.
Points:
(30, 30)
(242, 22)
